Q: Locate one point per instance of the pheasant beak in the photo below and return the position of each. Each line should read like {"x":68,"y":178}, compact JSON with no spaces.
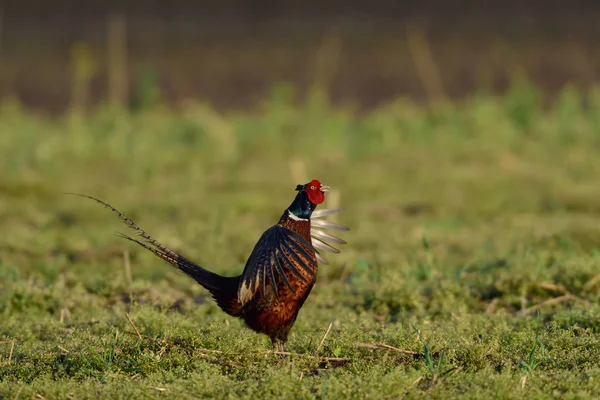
{"x":324,"y":188}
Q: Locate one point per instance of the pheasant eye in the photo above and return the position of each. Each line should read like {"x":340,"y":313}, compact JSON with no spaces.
{"x":312,"y":188}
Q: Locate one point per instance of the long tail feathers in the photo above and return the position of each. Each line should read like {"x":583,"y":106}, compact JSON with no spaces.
{"x":319,"y":237}
{"x":209,"y":280}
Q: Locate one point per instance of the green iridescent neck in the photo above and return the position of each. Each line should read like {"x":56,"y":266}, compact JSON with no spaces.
{"x":301,"y":207}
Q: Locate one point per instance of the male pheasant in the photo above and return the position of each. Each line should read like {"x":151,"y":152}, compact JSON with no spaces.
{"x":280,"y":272}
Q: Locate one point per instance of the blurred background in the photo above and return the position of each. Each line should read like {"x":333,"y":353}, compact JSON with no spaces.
{"x":232,"y":52}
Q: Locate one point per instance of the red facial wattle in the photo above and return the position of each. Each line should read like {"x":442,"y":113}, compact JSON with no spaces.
{"x":313,"y":190}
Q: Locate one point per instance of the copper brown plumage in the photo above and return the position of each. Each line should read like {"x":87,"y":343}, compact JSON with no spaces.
{"x":280,"y":272}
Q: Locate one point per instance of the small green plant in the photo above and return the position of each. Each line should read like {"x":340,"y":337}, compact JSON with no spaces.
{"x":537,"y":355}
{"x":104,"y":360}
{"x":433,"y":366}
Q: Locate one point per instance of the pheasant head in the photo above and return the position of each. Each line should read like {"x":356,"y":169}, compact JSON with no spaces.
{"x":309,"y":196}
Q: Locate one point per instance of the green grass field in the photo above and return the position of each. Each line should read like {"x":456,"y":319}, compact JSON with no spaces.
{"x":472,"y":267}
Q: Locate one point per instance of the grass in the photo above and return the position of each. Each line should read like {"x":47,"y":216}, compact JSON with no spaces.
{"x":471,"y":270}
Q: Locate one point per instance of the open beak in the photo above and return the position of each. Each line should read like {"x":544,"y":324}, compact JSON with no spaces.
{"x":324,"y":188}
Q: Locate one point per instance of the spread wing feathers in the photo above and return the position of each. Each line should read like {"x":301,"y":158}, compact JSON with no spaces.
{"x":319,"y":237}
{"x":279,"y":255}
{"x":161,"y":251}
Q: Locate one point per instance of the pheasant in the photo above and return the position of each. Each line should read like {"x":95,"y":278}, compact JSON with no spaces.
{"x":280,"y":272}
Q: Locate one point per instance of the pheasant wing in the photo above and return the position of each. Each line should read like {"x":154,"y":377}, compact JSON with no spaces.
{"x":320,"y":237}
{"x":280,"y":255}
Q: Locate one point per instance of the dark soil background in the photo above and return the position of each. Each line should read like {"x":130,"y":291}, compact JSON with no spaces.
{"x":232,"y":52}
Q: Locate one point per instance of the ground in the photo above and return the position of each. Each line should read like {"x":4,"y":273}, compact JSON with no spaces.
{"x":471,"y":269}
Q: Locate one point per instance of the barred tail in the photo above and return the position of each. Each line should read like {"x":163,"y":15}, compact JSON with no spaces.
{"x":223,"y":289}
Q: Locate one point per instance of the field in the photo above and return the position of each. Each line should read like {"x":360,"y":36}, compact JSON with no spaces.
{"x":472,"y":266}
